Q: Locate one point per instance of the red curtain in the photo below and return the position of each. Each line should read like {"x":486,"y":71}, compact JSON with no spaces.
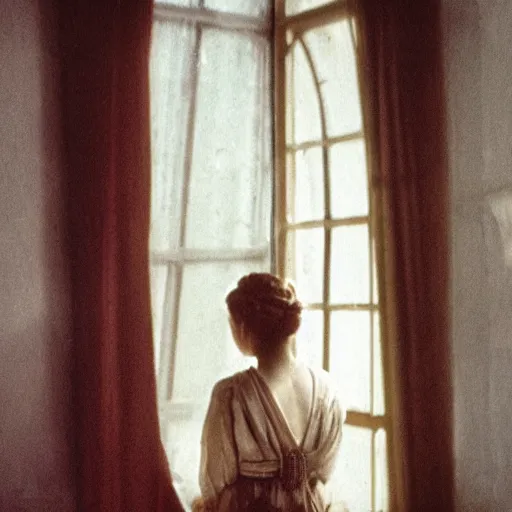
{"x":402,"y":72}
{"x":120,"y":461}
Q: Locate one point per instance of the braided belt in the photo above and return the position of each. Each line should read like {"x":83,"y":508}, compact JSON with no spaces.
{"x":294,"y":470}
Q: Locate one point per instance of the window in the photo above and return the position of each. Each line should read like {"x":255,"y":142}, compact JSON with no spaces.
{"x":324,"y":231}
{"x":211,"y":200}
{"x":240,"y":187}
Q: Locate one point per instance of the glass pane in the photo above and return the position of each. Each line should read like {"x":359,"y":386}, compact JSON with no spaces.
{"x":256,"y":8}
{"x":296,"y":6}
{"x":305,"y":263}
{"x":182,"y":442}
{"x":204,"y":344}
{"x":378,"y":404}
{"x":310,"y":338}
{"x":350,"y":358}
{"x":350,"y":265}
{"x":351,"y":481}
{"x":288,"y":91}
{"x":158,"y":276}
{"x":349,"y":181}
{"x":375,"y":277}
{"x":381,"y":472}
{"x":171,"y":56}
{"x":303,"y":99}
{"x":308,"y":200}
{"x":334,"y":57}
{"x":231,"y":162}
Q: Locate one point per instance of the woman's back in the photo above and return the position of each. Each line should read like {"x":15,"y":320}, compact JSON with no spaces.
{"x":292,"y":389}
{"x":251,"y":457}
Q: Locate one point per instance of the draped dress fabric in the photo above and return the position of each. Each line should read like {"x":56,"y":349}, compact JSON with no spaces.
{"x":250,"y":459}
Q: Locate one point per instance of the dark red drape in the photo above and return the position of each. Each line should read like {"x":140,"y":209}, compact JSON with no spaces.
{"x":402,"y":72}
{"x":121,"y":465}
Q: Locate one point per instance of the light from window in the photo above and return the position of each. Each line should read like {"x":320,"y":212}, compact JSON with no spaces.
{"x":298,"y":6}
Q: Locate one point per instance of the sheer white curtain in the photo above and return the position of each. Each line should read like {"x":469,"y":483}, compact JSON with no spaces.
{"x":211,"y":204}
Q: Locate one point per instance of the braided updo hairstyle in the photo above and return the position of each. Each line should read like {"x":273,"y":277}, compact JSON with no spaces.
{"x":267,"y":306}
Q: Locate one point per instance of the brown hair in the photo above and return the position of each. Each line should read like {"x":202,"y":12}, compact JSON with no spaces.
{"x":267,"y":306}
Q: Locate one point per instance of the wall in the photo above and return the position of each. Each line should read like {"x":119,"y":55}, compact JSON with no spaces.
{"x":478,"y":65}
{"x":35,"y":419}
{"x":497,"y":173}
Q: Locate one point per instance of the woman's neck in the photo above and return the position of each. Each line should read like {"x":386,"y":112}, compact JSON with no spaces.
{"x":278,"y":362}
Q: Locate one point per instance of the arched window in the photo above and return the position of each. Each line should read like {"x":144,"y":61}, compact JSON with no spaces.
{"x":324,"y":230}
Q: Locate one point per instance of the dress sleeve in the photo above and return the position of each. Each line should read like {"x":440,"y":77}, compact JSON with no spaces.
{"x":334,"y":417}
{"x":219,"y":461}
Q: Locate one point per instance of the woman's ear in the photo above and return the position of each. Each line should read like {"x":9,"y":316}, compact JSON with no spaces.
{"x":237,"y":329}
{"x":233,"y":327}
{"x":245,"y":340}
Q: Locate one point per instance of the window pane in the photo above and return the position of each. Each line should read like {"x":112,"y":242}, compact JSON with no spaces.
{"x":158,"y":276}
{"x":305,"y":263}
{"x":350,"y":265}
{"x":231,"y":160}
{"x":303,"y":99}
{"x":349,"y":181}
{"x":257,"y":8}
{"x":351,"y":481}
{"x":296,"y":6}
{"x":334,"y":57}
{"x":310,"y":338}
{"x":288,"y":91}
{"x":378,"y":404}
{"x":381,"y":472}
{"x":307,"y":202}
{"x":183,"y":445}
{"x":170,"y":102}
{"x":350,"y":359}
{"x":375,"y":277}
{"x":204,"y":345}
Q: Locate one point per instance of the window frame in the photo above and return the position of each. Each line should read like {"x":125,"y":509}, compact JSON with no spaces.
{"x":276,"y":34}
{"x":298,"y":24}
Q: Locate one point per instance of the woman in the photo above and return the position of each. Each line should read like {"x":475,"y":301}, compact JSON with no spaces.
{"x":271,"y":434}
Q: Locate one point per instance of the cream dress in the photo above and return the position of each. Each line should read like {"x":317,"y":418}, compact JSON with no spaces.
{"x":250,"y":460}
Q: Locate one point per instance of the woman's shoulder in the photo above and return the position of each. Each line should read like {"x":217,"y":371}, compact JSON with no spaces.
{"x":223,"y":386}
{"x":327,"y":388}
{"x":323,"y":378}
{"x":226,"y":385}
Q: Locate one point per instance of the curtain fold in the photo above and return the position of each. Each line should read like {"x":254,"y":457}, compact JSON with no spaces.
{"x":402,"y":76}
{"x":120,"y":461}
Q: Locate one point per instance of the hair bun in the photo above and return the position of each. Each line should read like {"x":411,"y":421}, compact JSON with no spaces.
{"x":267,"y":305}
